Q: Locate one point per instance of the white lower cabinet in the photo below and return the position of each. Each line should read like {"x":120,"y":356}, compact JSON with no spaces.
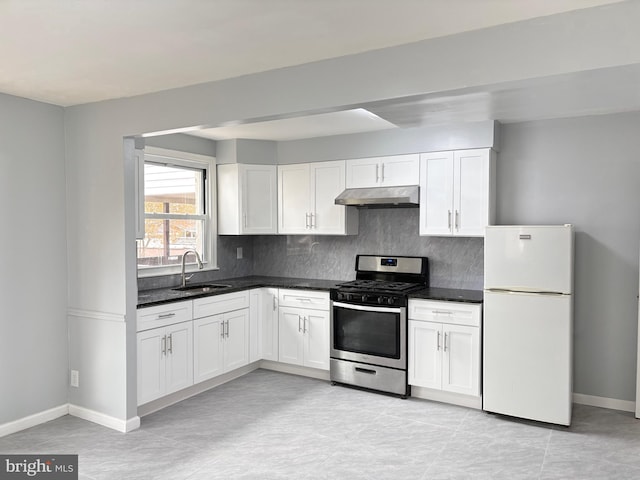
{"x":165,"y":361}
{"x":221,"y":344}
{"x":444,"y":346}
{"x":263,"y":329}
{"x":304,"y":337}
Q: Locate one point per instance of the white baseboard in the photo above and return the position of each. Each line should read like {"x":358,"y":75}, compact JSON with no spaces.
{"x":295,"y":369}
{"x":446,"y":397}
{"x":105,"y":420}
{"x":604,"y":402}
{"x":33,"y":420}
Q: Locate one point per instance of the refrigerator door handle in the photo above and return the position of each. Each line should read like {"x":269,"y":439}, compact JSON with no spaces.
{"x":516,"y":291}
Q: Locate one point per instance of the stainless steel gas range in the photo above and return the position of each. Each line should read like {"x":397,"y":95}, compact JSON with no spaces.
{"x":369,"y":322}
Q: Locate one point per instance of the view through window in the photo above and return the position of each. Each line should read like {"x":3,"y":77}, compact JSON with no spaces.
{"x":175,"y":214}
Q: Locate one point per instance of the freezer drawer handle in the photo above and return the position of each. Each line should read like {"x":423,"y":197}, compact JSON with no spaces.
{"x":525,"y":237}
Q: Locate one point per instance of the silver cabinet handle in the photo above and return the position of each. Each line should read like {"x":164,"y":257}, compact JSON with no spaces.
{"x":163,"y":345}
{"x":167,"y":315}
{"x":275,"y":302}
{"x":222,"y":329}
{"x":457,"y":220}
{"x":377,"y":176}
{"x":312,"y":223}
{"x":438,"y":341}
{"x":442,"y":312}
{"x":449,"y":219}
{"x":299,"y":327}
{"x":244,"y":219}
{"x":382,"y":174}
{"x":303,"y":299}
{"x":170,"y":348}
{"x":445,"y":341}
{"x":306,"y":220}
{"x":227,"y":329}
{"x":304,"y":325}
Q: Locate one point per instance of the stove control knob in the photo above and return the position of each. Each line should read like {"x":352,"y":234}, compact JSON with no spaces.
{"x":364,"y":298}
{"x":390,"y":301}
{"x":381,"y":300}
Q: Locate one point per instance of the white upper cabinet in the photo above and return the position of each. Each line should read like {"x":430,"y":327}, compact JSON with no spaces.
{"x":457,"y":192}
{"x":306,"y":200}
{"x":389,"y":171}
{"x":247,"y":199}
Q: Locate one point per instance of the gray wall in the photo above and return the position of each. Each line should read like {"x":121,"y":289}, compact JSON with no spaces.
{"x":33,"y":264}
{"x":182,"y":143}
{"x":390,"y":142}
{"x":585,"y":171}
{"x":453,"y":262}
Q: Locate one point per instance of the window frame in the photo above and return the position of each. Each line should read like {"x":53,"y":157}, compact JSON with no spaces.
{"x":176,"y":158}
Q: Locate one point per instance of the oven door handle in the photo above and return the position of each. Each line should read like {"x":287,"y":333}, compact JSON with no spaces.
{"x":362,"y":308}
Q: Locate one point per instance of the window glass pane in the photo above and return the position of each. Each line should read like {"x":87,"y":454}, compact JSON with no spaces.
{"x":170,"y":189}
{"x":166,"y":240}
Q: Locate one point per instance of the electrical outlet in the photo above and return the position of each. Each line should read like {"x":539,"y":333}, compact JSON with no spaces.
{"x":239,"y":253}
{"x":75,"y":378}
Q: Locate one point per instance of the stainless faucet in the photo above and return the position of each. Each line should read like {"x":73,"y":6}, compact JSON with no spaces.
{"x":200,"y":265}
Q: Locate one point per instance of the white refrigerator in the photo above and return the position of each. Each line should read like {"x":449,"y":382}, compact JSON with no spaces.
{"x":528,"y":322}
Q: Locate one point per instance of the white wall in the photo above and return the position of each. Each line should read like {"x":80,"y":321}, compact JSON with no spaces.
{"x":102,"y":281}
{"x":585,"y":171}
{"x":33,"y":264}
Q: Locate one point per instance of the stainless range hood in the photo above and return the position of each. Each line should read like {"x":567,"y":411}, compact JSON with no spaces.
{"x":380,"y":197}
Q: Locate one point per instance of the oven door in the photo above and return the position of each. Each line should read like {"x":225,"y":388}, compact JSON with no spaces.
{"x":367,"y":334}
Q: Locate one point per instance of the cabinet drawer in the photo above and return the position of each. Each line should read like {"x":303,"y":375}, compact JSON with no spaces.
{"x":203,"y":307}
{"x":163,"y":315}
{"x":456,"y":313}
{"x":304,"y":299}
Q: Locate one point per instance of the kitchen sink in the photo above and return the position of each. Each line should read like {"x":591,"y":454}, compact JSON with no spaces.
{"x":203,"y":287}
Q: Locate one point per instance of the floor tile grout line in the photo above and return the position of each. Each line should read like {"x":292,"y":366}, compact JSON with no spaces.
{"x":546,"y":450}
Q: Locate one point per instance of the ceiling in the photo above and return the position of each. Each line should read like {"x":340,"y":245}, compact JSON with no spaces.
{"x":71,"y":52}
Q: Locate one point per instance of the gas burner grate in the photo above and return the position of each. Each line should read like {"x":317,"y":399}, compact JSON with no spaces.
{"x":379,"y":285}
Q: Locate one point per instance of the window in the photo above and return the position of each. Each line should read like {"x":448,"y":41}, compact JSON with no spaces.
{"x":177,"y":212}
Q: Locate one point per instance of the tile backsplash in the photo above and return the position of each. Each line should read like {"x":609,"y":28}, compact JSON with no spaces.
{"x":453,"y":262}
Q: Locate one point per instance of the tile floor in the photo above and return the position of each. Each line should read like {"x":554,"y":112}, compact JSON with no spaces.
{"x":269,"y":425}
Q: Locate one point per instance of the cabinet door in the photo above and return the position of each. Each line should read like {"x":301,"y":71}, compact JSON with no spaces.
{"x":259,"y":199}
{"x":208,"y":347}
{"x":236,"y":344}
{"x":327,"y":182}
{"x":362,"y":173}
{"x":290,"y":345}
{"x":425,"y":354}
{"x":269,"y":319}
{"x":316,"y":339}
{"x":436,"y":193}
{"x":400,"y":170}
{"x":461,"y":359}
{"x":179,"y":373}
{"x":293,"y":199}
{"x":255,"y":325}
{"x":471,"y":192}
{"x":151,"y":364}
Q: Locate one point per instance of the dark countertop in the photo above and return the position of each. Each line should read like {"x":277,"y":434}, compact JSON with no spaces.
{"x":449,"y":295}
{"x":149,"y":298}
